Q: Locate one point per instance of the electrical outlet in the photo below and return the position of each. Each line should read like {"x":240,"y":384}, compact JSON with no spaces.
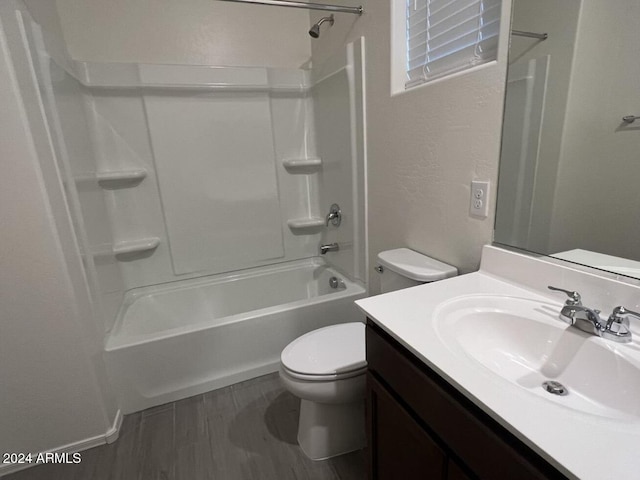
{"x":479,"y":199}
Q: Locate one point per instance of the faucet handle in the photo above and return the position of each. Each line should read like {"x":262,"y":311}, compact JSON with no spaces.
{"x":620,"y":318}
{"x":621,"y":315}
{"x":574,"y":297}
{"x":334,"y":216}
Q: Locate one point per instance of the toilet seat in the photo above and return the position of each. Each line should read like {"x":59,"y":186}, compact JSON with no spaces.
{"x":330,"y":353}
{"x":325,"y":378}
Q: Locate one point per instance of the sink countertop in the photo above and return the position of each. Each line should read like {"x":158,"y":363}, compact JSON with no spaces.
{"x":580,"y":445}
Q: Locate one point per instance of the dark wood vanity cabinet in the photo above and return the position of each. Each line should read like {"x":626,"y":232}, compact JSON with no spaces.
{"x":420,"y":427}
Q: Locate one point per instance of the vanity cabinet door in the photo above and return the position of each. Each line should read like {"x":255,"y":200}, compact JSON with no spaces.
{"x":399,"y":446}
{"x":454,"y":472}
{"x":459,"y":427}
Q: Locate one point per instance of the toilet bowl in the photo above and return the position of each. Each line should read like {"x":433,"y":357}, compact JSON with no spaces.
{"x":326,"y":368}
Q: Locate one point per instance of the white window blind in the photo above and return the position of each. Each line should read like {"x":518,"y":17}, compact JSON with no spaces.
{"x":445,"y":36}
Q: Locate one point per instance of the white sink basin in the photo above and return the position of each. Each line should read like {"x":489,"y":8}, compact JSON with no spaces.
{"x":523,"y":342}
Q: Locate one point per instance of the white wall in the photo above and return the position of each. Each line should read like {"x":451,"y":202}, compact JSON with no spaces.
{"x":199,"y":32}
{"x":600,"y":165}
{"x":424,"y":146}
{"x":53,"y":382}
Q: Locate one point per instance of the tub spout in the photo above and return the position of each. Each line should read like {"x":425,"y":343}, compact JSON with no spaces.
{"x":330,"y":247}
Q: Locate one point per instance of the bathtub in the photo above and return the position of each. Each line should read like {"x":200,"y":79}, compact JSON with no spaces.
{"x":177,"y":340}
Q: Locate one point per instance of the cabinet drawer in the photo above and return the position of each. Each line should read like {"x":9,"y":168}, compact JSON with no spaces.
{"x":489,"y":450}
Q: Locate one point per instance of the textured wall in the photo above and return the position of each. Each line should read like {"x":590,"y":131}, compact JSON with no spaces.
{"x":199,"y":32}
{"x":424,"y":146}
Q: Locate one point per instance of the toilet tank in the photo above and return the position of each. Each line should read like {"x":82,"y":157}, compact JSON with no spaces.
{"x":404,"y":268}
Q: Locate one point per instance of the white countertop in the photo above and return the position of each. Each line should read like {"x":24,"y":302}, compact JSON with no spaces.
{"x":580,"y":445}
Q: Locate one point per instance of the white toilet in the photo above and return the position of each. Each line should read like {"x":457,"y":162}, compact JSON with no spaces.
{"x":326,"y":367}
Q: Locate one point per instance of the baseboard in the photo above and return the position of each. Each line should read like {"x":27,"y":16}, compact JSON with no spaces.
{"x":114,"y":432}
{"x":109,"y":436}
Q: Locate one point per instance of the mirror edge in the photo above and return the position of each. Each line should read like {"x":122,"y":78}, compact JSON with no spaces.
{"x":567,"y":263}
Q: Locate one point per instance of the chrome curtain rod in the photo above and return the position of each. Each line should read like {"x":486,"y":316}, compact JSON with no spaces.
{"x":310,"y":6}
{"x":539,"y":36}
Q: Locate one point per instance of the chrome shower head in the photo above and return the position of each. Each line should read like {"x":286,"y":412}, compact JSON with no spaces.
{"x":315,"y":30}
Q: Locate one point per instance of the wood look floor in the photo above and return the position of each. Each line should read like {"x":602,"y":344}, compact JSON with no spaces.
{"x":245,"y":431}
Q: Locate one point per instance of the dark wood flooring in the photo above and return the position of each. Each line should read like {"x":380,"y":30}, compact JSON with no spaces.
{"x":245,"y":431}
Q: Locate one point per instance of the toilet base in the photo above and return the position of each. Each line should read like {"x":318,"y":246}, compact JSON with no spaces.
{"x":327,"y":430}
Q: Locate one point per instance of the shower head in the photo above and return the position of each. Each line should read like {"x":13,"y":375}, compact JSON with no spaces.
{"x":315,"y":30}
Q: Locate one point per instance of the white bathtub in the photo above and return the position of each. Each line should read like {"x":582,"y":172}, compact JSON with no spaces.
{"x":177,"y":340}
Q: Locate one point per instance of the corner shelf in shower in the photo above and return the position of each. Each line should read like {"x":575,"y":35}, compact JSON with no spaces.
{"x":300,"y":165}
{"x":136,"y":246}
{"x":308,"y":223}
{"x":121,"y":178}
{"x":114,"y":179}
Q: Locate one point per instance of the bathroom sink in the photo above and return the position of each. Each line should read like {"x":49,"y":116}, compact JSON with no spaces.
{"x":495,"y":336}
{"x":523,"y":342}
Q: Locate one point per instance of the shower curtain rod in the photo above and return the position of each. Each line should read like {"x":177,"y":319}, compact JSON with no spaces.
{"x":310,"y":6}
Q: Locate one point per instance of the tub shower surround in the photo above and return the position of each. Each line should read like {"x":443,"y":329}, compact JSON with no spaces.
{"x":198,"y":196}
{"x":201,"y":170}
{"x":214,"y":144}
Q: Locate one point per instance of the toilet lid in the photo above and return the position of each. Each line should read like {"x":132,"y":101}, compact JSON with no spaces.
{"x":415,"y":266}
{"x":327,"y":351}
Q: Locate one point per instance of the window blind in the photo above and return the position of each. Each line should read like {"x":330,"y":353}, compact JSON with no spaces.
{"x":445,"y":36}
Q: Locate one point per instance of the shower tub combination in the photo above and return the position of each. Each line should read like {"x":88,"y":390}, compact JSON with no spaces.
{"x":181,"y":339}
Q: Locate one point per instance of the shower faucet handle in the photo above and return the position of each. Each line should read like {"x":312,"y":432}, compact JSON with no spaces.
{"x":335,"y":215}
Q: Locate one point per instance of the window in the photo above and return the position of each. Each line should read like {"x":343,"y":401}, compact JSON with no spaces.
{"x":446,"y":36}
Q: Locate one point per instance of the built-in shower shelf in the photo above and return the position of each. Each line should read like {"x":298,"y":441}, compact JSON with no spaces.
{"x":296,"y":164}
{"x":136,"y":246}
{"x":121,"y":177}
{"x":306,"y":223}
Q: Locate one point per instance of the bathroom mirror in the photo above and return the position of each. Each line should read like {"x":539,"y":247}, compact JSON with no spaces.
{"x":569,"y":180}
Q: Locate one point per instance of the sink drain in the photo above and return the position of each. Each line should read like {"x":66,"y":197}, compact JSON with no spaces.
{"x":556,"y":388}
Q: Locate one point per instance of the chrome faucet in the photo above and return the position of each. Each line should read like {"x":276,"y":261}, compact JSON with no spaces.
{"x":616,"y":328}
{"x":329,"y":247}
{"x":583,"y":318}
